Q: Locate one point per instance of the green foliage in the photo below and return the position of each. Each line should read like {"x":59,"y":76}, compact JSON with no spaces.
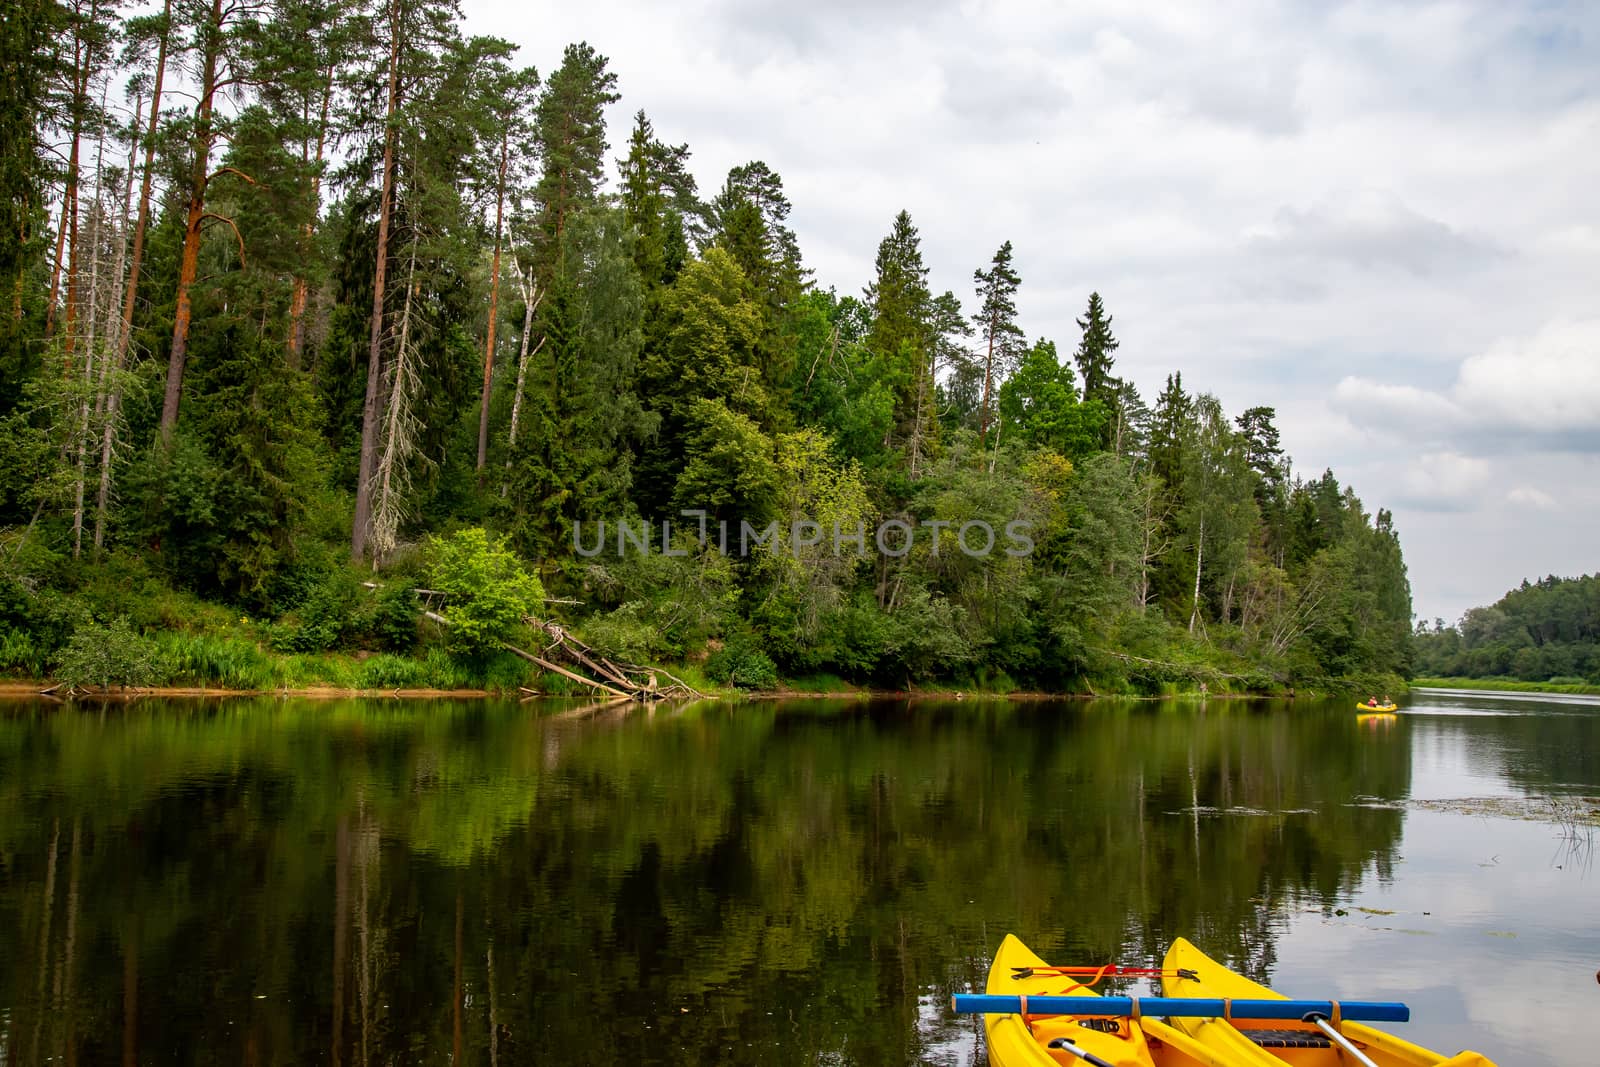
{"x":486,"y":588}
{"x":227,"y":661}
{"x":742,"y":665}
{"x":729,"y":472}
{"x":1041,"y":404}
{"x":670,"y":354}
{"x":662,"y":605}
{"x":1538,"y":632}
{"x":340,"y":611}
{"x":1096,"y":354}
{"x":112,"y":654}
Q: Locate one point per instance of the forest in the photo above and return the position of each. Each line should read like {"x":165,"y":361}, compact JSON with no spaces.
{"x":315,"y":303}
{"x":1544,"y":631}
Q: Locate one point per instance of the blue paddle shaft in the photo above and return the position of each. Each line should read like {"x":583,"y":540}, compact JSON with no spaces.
{"x":1367,"y":1011}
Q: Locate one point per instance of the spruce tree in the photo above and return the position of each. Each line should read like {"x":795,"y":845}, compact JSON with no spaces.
{"x":996,"y":322}
{"x":1168,"y":430}
{"x":901,"y":336}
{"x":1096,"y":353}
{"x":27,"y":59}
{"x":750,"y":214}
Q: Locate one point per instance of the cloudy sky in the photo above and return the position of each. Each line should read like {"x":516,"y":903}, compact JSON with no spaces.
{"x":1381,"y":219}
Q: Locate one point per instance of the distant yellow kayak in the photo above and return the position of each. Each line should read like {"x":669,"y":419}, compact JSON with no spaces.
{"x":1377,"y":708}
{"x":1245,"y":1041}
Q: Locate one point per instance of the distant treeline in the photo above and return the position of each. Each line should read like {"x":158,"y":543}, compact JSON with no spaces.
{"x":1542,"y":631}
{"x":292,"y":288}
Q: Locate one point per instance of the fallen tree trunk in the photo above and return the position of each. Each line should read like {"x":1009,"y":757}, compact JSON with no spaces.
{"x":618,"y":681}
{"x":547,"y":665}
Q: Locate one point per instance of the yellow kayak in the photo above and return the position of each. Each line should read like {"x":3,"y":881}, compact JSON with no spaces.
{"x":1371,"y":708}
{"x":1017,"y":1042}
{"x":1245,"y":1041}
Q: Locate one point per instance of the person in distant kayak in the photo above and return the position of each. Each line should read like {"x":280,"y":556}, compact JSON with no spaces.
{"x":1372,"y":702}
{"x":1386,"y":700}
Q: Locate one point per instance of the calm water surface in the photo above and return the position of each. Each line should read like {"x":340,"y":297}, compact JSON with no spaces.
{"x":259,"y":881}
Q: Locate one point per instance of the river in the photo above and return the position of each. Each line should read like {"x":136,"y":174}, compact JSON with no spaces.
{"x":262,"y":881}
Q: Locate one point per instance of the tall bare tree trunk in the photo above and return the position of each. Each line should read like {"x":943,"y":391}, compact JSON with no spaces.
{"x":926,"y":370}
{"x":494,"y":306}
{"x":988,"y":379}
{"x":68,"y":208}
{"x":92,"y":320}
{"x":1199,"y":559}
{"x":341,"y":908}
{"x":83,"y":56}
{"x":130,"y":995}
{"x":390,"y":477}
{"x":302,"y":287}
{"x":66,"y":976}
{"x":531,"y":296}
{"x":43,"y":965}
{"x":199,"y":178}
{"x":455,"y":989}
{"x":360,"y":527}
{"x":130,"y":297}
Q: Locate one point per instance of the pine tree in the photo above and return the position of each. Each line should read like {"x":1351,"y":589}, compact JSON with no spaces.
{"x":996,"y":322}
{"x":412,"y":36}
{"x":571,"y":138}
{"x":218,"y":41}
{"x":303,"y":45}
{"x":1261,"y":442}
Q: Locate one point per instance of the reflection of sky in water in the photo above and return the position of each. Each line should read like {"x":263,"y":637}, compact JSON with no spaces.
{"x":1449,"y":761}
{"x":1485,"y":703}
{"x":1494,"y":938}
{"x":1492,"y":945}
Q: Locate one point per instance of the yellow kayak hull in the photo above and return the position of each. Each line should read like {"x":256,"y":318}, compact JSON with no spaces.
{"x":1012,"y":1042}
{"x":1373,"y":709}
{"x":1226,"y":1039}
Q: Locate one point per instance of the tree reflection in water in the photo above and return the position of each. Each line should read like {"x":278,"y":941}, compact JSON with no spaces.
{"x":375,"y":882}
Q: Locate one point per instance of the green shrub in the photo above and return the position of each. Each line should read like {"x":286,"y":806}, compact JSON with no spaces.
{"x":109,"y":655}
{"x":624,"y":635}
{"x":339,"y":611}
{"x":21,"y":655}
{"x":487,"y":590}
{"x":743,"y":666}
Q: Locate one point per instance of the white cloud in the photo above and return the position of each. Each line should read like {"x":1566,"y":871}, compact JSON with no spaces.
{"x":1444,"y":481}
{"x":1372,"y":229}
{"x":1527,"y":496}
{"x":1541,"y":391}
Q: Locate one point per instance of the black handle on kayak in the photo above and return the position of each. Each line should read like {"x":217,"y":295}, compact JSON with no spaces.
{"x":1066,"y":1043}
